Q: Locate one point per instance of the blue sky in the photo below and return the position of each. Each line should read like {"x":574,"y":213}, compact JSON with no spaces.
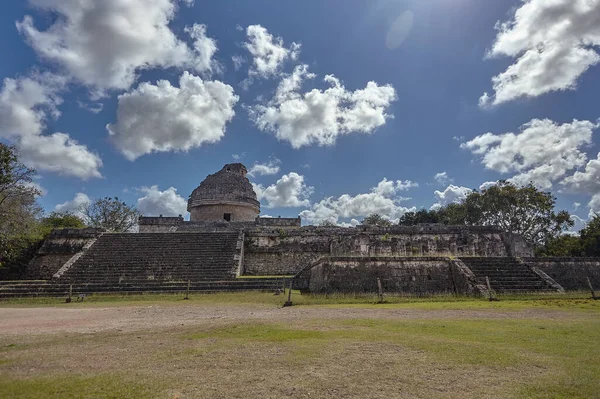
{"x":325,"y":147}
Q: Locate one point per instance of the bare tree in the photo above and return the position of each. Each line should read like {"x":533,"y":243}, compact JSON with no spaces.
{"x":111,"y":214}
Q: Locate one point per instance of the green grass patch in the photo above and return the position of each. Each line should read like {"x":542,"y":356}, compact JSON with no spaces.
{"x":549,"y":350}
{"x":564,"y":354}
{"x":75,"y":386}
{"x":11,"y":347}
{"x":570,"y":300}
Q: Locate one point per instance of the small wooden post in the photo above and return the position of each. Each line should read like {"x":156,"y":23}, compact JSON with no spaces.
{"x":594,"y":297}
{"x":380,"y":290}
{"x":289,"y":300}
{"x":489,"y":287}
{"x":187,"y":293}
{"x":70,"y":293}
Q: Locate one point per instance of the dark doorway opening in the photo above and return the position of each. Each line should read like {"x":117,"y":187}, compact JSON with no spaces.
{"x":227,"y":216}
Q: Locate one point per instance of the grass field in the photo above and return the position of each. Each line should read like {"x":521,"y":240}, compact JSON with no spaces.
{"x":244,"y":346}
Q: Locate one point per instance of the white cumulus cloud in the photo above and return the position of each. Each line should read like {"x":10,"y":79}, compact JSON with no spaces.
{"x":268,"y":52}
{"x":389,"y":187}
{"x":104,"y":44}
{"x":162,"y":117}
{"x":269,"y":168}
{"x":60,"y":154}
{"x":289,"y":191}
{"x":26,"y":104}
{"x":451,"y":195}
{"x":74,"y":206}
{"x":587,"y":180}
{"x":594,"y":206}
{"x":205,"y":49}
{"x":381,"y":199}
{"x":553,"y":43}
{"x":541,"y":153}
{"x":487,"y":184}
{"x":166,"y":203}
{"x":320,"y":116}
{"x":352,"y":223}
{"x":442,"y":178}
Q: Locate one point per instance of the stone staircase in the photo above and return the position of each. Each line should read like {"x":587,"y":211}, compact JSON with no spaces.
{"x":50,"y":288}
{"x":135,"y":258}
{"x":507,"y":275}
{"x":151,"y":263}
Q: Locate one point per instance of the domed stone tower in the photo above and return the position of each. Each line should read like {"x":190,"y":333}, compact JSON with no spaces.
{"x":225,"y":195}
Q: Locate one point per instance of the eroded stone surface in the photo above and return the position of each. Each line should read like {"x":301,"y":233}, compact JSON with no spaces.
{"x":225,"y":195}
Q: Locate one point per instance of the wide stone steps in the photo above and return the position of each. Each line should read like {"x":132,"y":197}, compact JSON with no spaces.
{"x":116,"y":259}
{"x":506,"y":275}
{"x":49,"y":288}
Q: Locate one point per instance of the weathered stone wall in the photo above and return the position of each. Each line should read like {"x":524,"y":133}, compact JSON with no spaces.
{"x":570,"y":273}
{"x":172,"y":224}
{"x":279,"y":222}
{"x":214,"y":226}
{"x":286,"y":251}
{"x":57,"y":249}
{"x":516,"y":245}
{"x":281,"y":252}
{"x":410,"y":275}
{"x":215,"y":212}
{"x":419,"y":244}
{"x":159,"y":224}
{"x":267,"y":263}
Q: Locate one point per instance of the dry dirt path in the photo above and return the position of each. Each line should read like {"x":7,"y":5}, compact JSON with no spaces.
{"x":51,"y":320}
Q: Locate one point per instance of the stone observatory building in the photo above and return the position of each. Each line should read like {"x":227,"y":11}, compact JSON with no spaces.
{"x":226,"y":195}
{"x":226,"y":241}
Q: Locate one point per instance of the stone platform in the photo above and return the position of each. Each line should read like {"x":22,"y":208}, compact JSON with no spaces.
{"x":420,"y":260}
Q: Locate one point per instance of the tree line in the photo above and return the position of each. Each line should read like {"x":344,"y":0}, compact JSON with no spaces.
{"x":520,"y":210}
{"x":24,"y":225}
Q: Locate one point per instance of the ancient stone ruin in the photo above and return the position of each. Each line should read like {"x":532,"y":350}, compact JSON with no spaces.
{"x":226,"y":195}
{"x":226,"y":240}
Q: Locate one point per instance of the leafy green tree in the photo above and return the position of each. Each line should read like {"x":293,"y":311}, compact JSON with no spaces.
{"x":376,"y":219}
{"x":61,"y":220}
{"x":418,"y":217}
{"x":521,"y":210}
{"x":18,"y":205}
{"x":564,"y":245}
{"x":590,"y":237}
{"x":453,"y":214}
{"x":19,"y":210}
{"x":111,"y":214}
{"x":449,"y":215}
